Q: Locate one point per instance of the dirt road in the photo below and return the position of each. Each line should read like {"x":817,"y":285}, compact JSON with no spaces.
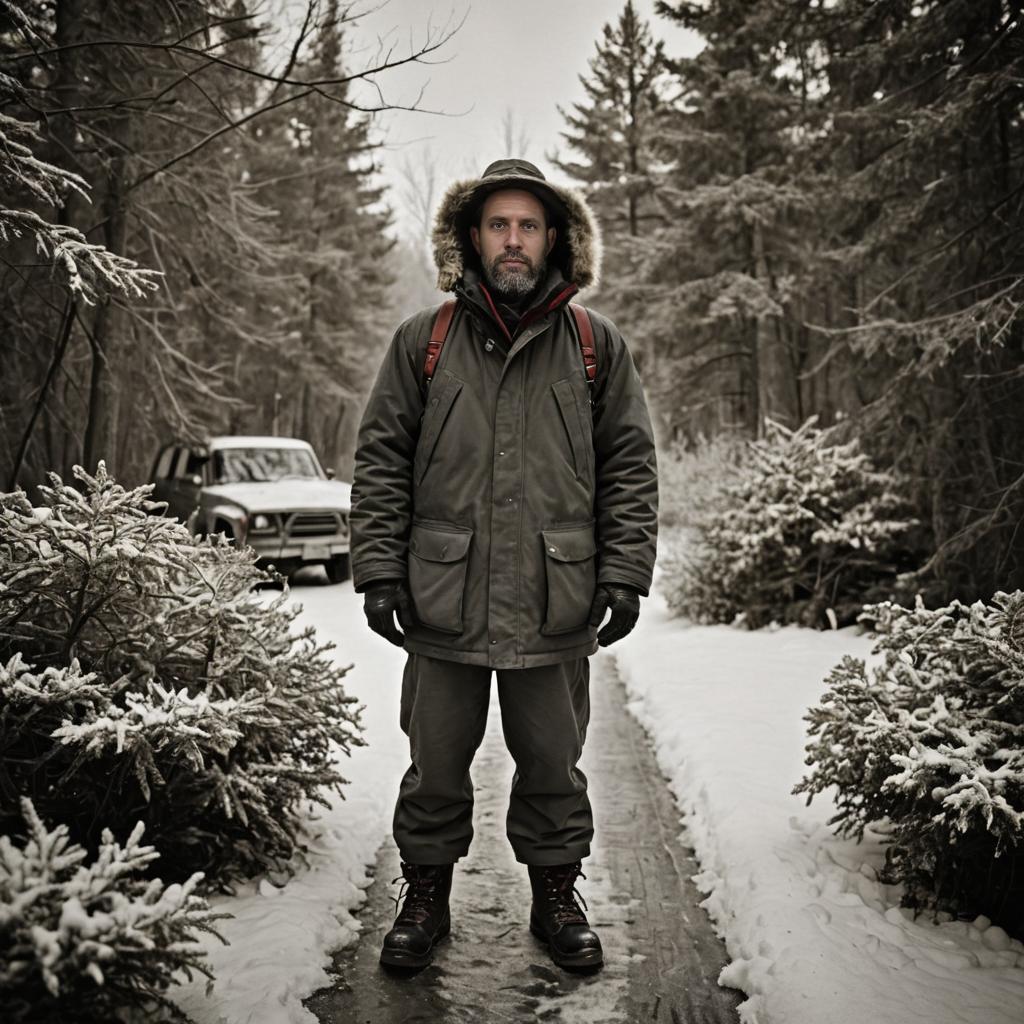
{"x":661,"y":956}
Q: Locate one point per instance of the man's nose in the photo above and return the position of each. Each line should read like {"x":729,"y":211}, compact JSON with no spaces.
{"x":513,"y":241}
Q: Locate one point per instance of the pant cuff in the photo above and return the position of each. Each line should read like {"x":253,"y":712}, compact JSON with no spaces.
{"x":549,"y":858}
{"x":430,"y":855}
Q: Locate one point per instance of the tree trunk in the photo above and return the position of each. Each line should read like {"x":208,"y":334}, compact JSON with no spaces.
{"x":103,"y":339}
{"x":58,"y":355}
{"x":775,"y":380}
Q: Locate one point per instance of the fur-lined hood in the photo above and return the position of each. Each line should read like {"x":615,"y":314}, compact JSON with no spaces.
{"x":577,"y":251}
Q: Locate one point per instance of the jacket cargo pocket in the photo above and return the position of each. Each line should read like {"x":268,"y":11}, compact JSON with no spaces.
{"x":438,"y":557}
{"x":570,"y":559}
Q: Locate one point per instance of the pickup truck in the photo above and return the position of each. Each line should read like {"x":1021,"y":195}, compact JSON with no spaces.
{"x":270,"y":493}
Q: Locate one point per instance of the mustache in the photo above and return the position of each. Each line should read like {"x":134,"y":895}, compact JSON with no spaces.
{"x":510,"y":255}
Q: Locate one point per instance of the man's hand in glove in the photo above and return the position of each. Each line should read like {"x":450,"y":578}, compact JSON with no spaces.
{"x":382,"y":601}
{"x":625,"y":605}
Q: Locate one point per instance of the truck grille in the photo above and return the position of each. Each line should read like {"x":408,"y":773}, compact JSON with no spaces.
{"x":314,"y":524}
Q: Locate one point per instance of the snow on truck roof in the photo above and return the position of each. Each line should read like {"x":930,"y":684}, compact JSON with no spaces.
{"x":253,"y":441}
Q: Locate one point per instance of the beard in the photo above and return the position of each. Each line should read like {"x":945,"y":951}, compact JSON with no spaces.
{"x":514,"y":284}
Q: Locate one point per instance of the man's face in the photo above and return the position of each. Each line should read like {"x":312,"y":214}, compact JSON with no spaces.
{"x":513,"y":241}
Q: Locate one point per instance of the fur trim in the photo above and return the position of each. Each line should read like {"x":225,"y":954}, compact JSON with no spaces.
{"x":577,"y":249}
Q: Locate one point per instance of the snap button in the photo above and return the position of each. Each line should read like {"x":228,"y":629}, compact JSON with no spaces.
{"x":494,"y":642}
{"x":552,"y":550}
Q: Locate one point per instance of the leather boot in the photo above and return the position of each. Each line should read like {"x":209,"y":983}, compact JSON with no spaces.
{"x":423,"y":919}
{"x":557,"y":918}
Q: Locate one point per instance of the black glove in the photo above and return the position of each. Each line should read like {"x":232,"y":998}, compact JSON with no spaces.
{"x":625,"y":605}
{"x":384,"y":599}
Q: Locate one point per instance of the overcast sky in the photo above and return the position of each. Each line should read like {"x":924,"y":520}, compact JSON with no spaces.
{"x":517,"y":55}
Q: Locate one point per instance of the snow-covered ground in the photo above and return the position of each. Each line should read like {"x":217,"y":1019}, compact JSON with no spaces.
{"x":813,"y":937}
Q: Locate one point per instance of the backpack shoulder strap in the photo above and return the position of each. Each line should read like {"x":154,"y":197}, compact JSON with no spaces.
{"x":585,"y":336}
{"x":438,"y":334}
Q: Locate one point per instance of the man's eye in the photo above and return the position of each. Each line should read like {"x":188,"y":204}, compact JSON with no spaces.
{"x":497,"y":225}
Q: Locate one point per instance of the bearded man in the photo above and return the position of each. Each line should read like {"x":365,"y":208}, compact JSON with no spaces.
{"x":505,"y":499}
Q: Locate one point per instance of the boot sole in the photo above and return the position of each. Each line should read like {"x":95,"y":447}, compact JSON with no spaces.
{"x":587,"y":958}
{"x":408,"y":960}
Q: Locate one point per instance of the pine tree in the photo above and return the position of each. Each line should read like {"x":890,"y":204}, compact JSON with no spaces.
{"x":614,"y":130}
{"x":157,"y":110}
{"x":719,"y":268}
{"x":313,"y":166}
{"x":840,"y":216}
{"x":926,"y":142}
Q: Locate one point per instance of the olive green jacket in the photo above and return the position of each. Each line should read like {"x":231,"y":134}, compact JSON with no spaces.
{"x":510,"y":487}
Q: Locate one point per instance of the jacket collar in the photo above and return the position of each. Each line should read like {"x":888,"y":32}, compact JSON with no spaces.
{"x":554,"y":293}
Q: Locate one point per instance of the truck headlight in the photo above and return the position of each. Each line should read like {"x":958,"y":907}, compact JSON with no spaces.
{"x":261,"y":522}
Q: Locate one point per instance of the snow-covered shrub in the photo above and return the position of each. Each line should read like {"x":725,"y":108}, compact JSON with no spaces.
{"x":82,"y":941}
{"x":932,"y":740}
{"x":800,"y":531}
{"x":142,"y":677}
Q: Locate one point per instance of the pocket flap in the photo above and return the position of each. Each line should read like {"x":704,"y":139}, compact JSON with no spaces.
{"x":570,"y":545}
{"x":439,"y":545}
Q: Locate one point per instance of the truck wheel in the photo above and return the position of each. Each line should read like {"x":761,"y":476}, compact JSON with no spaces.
{"x":338,"y":569}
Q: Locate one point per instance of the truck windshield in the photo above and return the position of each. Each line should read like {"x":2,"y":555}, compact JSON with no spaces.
{"x":261,"y":465}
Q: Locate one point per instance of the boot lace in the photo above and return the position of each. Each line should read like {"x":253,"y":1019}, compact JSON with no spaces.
{"x":565,"y":899}
{"x":418,"y":889}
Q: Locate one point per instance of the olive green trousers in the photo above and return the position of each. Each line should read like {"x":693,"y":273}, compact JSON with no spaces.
{"x":544,"y":716}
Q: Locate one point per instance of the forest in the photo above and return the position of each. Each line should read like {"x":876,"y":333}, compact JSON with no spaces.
{"x":819,"y":215}
{"x":195,"y":241}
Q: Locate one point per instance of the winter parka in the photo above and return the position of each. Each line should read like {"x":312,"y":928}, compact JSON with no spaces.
{"x":508,"y":488}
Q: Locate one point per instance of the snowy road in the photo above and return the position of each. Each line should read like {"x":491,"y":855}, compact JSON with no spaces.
{"x":662,"y":957}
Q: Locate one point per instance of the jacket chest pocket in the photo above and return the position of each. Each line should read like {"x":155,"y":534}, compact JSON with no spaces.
{"x":438,"y":558}
{"x":438,"y":407}
{"x":579,"y":433}
{"x":570,"y":557}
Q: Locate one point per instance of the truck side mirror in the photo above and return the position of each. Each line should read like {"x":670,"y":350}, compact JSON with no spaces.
{"x":330,"y":473}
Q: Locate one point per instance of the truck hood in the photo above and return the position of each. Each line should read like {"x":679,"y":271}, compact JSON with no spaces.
{"x":285,"y":495}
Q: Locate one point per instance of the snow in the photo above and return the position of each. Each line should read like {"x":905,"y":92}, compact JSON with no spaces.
{"x":812,"y":935}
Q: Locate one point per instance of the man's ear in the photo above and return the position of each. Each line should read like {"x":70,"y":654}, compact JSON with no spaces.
{"x":474,"y":237}
{"x":551,"y":240}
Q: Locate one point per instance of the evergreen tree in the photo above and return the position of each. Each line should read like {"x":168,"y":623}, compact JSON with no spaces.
{"x":614,"y":130}
{"x":720,"y":268}
{"x":842,"y":211}
{"x":926,"y":143}
{"x":315,"y":166}
{"x":150,"y":119}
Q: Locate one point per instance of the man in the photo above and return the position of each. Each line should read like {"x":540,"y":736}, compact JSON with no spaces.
{"x":502,"y":504}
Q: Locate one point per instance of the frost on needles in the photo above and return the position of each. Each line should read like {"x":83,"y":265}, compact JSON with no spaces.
{"x":142,"y":677}
{"x":930,"y":740}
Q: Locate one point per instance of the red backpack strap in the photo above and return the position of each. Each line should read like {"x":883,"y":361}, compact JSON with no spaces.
{"x":442,"y":322}
{"x":585,"y":331}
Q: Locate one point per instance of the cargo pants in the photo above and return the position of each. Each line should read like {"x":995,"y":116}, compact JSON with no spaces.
{"x":544,"y":715}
